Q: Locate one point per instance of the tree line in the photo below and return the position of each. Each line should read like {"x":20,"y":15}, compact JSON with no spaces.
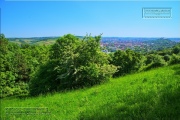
{"x":70,"y":63}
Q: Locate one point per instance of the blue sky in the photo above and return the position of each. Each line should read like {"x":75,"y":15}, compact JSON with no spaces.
{"x":121,"y":19}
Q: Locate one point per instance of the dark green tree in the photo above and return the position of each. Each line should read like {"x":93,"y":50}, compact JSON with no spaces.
{"x":127,"y":61}
{"x":154,"y":61}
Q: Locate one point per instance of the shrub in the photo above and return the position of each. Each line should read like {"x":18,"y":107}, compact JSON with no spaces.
{"x":167,"y":58}
{"x":155,"y":61}
{"x":175,"y":59}
{"x":74,"y":63}
{"x":127,"y":61}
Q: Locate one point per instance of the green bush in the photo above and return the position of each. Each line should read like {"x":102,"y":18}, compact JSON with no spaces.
{"x":176,"y":49}
{"x":175,"y":59}
{"x":167,"y":58}
{"x":17,"y":63}
{"x":155,"y":61}
{"x":127,"y":61}
{"x":74,"y":63}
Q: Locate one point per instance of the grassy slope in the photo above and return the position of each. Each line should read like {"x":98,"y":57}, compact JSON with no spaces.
{"x":148,"y":95}
{"x":35,"y":41}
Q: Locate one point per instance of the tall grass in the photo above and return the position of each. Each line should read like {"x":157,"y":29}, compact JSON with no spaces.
{"x":151,"y":95}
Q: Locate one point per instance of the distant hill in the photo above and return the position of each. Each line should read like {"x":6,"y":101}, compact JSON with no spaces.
{"x":160,"y":44}
{"x":144,"y":45}
{"x":111,"y":43}
{"x":34,"y":40}
{"x":175,"y":39}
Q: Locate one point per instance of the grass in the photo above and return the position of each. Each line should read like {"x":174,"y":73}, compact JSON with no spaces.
{"x":47,"y":42}
{"x":33,"y":41}
{"x":151,"y":95}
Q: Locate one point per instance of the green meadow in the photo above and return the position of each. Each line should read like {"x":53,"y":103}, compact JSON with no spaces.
{"x":150,"y":95}
{"x":33,"y":41}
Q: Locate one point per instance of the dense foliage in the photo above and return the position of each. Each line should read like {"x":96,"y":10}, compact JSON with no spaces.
{"x":127,"y":61}
{"x":70,"y":63}
{"x":73,"y":63}
{"x":17,"y":64}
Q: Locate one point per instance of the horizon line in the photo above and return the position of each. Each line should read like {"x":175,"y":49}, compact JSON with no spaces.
{"x":94,"y":36}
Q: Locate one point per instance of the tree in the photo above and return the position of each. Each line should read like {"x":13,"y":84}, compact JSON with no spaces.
{"x":127,"y":61}
{"x":175,"y":59}
{"x":17,"y":66}
{"x":176,"y":49}
{"x":74,"y":63}
{"x":154,"y":61}
{"x":11,"y":71}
